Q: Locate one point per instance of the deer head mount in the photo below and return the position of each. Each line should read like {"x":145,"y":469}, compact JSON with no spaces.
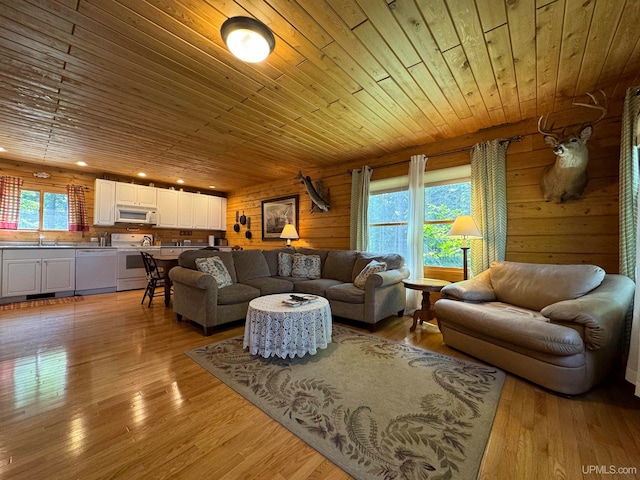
{"x":566,"y":178}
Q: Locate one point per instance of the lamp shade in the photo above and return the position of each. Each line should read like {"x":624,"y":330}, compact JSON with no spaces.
{"x":247,"y":38}
{"x":464,"y":227}
{"x":289,"y":232}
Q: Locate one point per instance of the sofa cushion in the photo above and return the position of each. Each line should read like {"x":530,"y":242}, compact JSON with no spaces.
{"x":305,"y":266}
{"x":215,"y":267}
{"x":237,"y":293}
{"x":345,"y":292}
{"x":314,"y":251}
{"x":315,"y":287}
{"x":270,"y":285}
{"x":393,"y":261}
{"x":250,"y":264}
{"x":535,"y":286}
{"x":372,"y":267}
{"x":187,"y":259}
{"x":271,"y":256}
{"x":339,"y":265}
{"x":285,"y":263}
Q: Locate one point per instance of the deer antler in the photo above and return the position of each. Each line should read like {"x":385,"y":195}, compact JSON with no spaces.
{"x":542,"y":129}
{"x":595,"y":105}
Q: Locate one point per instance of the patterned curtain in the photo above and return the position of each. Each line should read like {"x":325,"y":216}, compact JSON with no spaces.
{"x":489,"y":203}
{"x":10,"y":188}
{"x":360,"y":180}
{"x":629,"y":178}
{"x":77,"y":209}
{"x":415,"y":228}
{"x":629,"y":225}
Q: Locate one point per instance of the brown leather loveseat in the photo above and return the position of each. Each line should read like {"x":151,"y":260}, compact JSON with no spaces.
{"x":559,"y":326}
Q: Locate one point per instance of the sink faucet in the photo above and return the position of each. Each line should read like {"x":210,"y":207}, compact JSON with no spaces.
{"x":41,"y":239}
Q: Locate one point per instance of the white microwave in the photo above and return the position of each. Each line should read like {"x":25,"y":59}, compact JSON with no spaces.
{"x":141,"y":215}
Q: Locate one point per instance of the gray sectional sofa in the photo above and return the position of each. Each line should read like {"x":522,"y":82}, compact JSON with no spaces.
{"x":255,"y":273}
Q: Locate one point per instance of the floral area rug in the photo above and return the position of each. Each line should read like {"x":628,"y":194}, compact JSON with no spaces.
{"x":376,"y":408}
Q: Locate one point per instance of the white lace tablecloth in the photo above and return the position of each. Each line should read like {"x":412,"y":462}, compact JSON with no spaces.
{"x":273,"y":328}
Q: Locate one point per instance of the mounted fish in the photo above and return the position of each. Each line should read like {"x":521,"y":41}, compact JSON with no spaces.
{"x":318,"y":203}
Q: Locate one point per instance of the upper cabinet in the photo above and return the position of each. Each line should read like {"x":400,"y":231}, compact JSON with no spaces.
{"x":201,"y":211}
{"x":132,"y":194}
{"x":167,"y":211}
{"x":104,"y":202}
{"x":174,"y":209}
{"x":186,"y":202}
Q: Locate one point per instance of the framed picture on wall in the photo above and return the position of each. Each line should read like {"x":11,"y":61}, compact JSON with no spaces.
{"x":276,"y":213}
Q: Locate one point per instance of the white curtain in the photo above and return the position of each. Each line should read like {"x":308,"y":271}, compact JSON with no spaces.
{"x":415,"y":228}
{"x":630,"y":225}
{"x":489,"y":203}
{"x":359,"y":234}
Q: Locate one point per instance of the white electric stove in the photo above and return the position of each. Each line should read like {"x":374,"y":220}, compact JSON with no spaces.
{"x":131,"y":272}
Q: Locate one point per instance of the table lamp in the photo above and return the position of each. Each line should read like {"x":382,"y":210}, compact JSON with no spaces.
{"x":464,"y":227}
{"x":289,"y":232}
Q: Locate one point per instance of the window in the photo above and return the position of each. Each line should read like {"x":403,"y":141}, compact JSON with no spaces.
{"x":447,"y":195}
{"x":40,"y":210}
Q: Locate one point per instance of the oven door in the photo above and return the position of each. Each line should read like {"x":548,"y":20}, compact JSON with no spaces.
{"x":131,"y":272}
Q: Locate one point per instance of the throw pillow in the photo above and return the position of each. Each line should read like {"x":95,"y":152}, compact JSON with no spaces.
{"x":305,"y":266}
{"x":215,"y":267}
{"x":372,"y":267}
{"x":284,"y":264}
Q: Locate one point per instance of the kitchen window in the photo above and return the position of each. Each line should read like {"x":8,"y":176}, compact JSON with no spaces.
{"x":43,"y":210}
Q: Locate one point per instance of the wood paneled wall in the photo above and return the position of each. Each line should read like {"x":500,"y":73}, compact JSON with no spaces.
{"x":60,"y":177}
{"x":582,"y":231}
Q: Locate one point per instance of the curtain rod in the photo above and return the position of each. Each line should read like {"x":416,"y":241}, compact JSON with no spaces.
{"x":517,"y":138}
{"x":50,"y":184}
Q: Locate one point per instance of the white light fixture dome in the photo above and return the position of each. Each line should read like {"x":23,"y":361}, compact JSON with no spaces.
{"x":247,"y":38}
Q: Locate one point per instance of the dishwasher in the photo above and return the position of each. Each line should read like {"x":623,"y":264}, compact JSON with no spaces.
{"x":96,"y":270}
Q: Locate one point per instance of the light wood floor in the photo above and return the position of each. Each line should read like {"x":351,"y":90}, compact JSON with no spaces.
{"x":102,"y":389}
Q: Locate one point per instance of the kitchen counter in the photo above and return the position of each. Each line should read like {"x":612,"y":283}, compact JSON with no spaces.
{"x":32,"y":246}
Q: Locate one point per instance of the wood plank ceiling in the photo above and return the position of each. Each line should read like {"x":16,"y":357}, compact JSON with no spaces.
{"x":148,"y":85}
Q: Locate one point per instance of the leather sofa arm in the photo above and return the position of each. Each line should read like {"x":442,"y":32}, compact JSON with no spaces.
{"x":193,"y":278}
{"x":388,"y":277}
{"x":477,"y":289}
{"x":601,"y":312}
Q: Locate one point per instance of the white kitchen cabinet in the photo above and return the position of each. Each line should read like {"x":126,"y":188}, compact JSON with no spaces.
{"x":223,"y":214}
{"x":186,"y":202}
{"x":21,"y":276}
{"x":33,"y":271}
{"x":167,"y":209}
{"x":58,"y":274}
{"x":138,"y":195}
{"x":201,"y":207}
{"x":104,"y":202}
{"x":215,"y":213}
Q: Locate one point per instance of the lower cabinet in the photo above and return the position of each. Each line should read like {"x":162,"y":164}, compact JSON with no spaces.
{"x":34,"y":271}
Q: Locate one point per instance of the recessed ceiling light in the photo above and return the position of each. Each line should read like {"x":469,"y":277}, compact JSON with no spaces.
{"x":180,"y":180}
{"x":81,"y":164}
{"x":212,"y":186}
{"x":142,"y":174}
{"x":2,"y":149}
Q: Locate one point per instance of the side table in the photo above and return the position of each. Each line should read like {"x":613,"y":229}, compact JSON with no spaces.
{"x":426,"y":286}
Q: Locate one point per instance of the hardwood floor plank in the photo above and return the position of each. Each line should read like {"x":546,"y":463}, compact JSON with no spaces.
{"x":102,"y":389}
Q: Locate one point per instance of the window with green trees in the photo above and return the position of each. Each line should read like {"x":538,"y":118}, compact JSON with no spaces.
{"x":388,"y":217}
{"x":43,"y":211}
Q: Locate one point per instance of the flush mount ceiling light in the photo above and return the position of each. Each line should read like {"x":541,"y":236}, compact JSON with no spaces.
{"x":247,"y":38}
